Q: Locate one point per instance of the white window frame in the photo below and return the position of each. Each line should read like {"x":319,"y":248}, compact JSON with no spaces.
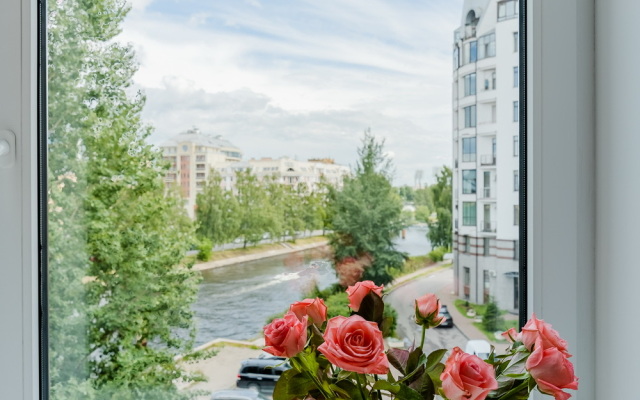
{"x":566,"y":254}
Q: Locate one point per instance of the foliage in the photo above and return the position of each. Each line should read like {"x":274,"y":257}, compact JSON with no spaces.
{"x":438,"y":253}
{"x":441,"y":230}
{"x":204,"y":249}
{"x":216,"y":212}
{"x":119,"y":296}
{"x":406,"y":193}
{"x":367,"y":215}
{"x":491,"y":320}
{"x":422,"y":214}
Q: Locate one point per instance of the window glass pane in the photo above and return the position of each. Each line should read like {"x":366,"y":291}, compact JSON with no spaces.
{"x":182,"y":136}
{"x":488,"y":216}
{"x":469,"y":181}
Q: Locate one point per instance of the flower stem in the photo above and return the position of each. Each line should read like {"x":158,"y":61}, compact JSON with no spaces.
{"x":424,"y":331}
{"x":360,"y":385}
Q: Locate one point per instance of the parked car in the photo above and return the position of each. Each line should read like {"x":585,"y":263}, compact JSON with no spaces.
{"x":261,"y":374}
{"x":448,"y":322}
{"x":480,"y":348}
{"x":237,"y":394}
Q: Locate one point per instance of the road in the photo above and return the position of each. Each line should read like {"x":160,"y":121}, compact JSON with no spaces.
{"x":402,"y":299}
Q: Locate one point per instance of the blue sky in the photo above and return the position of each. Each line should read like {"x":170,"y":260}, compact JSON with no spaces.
{"x":301,"y":78}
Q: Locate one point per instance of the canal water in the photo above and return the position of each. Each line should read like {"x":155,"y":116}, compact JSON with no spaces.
{"x":234,"y":302}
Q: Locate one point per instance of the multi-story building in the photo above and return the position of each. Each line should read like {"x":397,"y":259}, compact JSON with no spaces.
{"x":192,"y":155}
{"x":287,"y":171}
{"x":485,"y":153}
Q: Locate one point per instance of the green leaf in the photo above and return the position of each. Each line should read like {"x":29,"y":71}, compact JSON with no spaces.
{"x":434,"y":358}
{"x":351,"y":389}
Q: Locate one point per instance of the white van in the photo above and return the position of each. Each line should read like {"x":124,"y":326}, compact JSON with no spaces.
{"x":480,"y":348}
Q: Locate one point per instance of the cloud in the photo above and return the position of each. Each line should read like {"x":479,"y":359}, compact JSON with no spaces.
{"x":302,"y":78}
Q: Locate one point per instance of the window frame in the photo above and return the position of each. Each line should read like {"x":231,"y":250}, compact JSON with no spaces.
{"x":556,"y":45}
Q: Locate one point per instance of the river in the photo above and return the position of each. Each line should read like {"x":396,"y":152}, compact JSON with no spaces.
{"x":235,"y":301}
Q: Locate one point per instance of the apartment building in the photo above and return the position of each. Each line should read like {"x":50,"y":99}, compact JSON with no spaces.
{"x":192,"y":155}
{"x":485,"y":153}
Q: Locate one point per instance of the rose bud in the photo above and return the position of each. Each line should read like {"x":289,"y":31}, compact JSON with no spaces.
{"x":538,"y":329}
{"x":359,"y":291}
{"x":427,"y":310}
{"x":285,"y":336}
{"x":467,"y":377}
{"x":315,"y":309}
{"x":511,"y":335}
{"x":552,"y":371}
{"x":355,"y":344}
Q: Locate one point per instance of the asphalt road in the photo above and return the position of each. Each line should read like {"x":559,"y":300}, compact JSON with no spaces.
{"x":402,"y":299}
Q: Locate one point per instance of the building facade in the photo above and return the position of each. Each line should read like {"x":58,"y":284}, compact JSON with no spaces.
{"x":485,"y":153}
{"x":194,"y":156}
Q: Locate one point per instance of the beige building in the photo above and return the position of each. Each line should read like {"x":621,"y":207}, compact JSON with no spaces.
{"x":192,"y":155}
{"x":287,"y":171}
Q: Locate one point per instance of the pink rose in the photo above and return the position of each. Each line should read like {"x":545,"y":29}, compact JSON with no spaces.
{"x":427,"y":309}
{"x":285,"y":336}
{"x":537,"y":328}
{"x":355,"y":344}
{"x":511,"y":335}
{"x":467,"y":377}
{"x":359,"y":291}
{"x":315,"y":309}
{"x":551,"y":371}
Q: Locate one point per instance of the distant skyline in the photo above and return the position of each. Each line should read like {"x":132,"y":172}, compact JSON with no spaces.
{"x":303,"y":78}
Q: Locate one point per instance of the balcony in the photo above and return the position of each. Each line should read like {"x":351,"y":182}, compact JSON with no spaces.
{"x":486,"y":193}
{"x":488,"y":159}
{"x":488,"y":226}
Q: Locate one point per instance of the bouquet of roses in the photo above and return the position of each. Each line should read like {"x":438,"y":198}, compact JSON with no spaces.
{"x":344,"y":357}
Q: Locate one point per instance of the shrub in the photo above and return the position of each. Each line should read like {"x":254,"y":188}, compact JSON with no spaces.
{"x":491,"y":321}
{"x":437,"y":254}
{"x":204,"y":249}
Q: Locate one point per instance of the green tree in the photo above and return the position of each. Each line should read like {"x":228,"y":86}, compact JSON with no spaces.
{"x":440,"y":229}
{"x":256,"y":215}
{"x":367,"y":215}
{"x":216,"y":212}
{"x":406,"y":193}
{"x":119,"y":295}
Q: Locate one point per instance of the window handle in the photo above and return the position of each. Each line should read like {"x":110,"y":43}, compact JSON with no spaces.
{"x":7,"y":149}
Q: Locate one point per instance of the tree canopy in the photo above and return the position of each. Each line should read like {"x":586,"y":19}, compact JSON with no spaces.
{"x":367,"y":216}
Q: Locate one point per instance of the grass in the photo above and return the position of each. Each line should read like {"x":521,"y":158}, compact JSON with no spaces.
{"x":480,"y":309}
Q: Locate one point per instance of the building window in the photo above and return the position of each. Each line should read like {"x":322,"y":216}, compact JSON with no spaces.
{"x":473,"y":52}
{"x":468,"y":181}
{"x":468,"y":213}
{"x":516,"y":214}
{"x":516,"y":38}
{"x":486,"y":245}
{"x":456,"y":58}
{"x":470,"y":84}
{"x":515,"y":111}
{"x":470,"y":116}
{"x":515,"y":76}
{"x":467,"y":243}
{"x":467,"y":282}
{"x":469,"y":149}
{"x":516,"y":147}
{"x":486,"y":286}
{"x":516,"y":180}
{"x":487,"y":46}
{"x":507,"y":9}
{"x":516,"y":249}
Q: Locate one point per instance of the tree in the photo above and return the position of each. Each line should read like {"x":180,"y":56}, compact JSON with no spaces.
{"x":216,"y":212}
{"x":119,"y":293}
{"x":440,"y":229}
{"x":255,"y":213}
{"x":367,"y":215}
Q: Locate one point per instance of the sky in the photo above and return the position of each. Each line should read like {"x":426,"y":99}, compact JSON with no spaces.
{"x":301,"y":78}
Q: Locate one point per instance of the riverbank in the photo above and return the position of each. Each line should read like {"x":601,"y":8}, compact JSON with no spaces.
{"x":236,"y":256}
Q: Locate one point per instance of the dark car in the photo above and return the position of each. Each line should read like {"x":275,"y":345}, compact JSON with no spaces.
{"x":261,"y":374}
{"x":448,"y":322}
{"x":237,"y":394}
